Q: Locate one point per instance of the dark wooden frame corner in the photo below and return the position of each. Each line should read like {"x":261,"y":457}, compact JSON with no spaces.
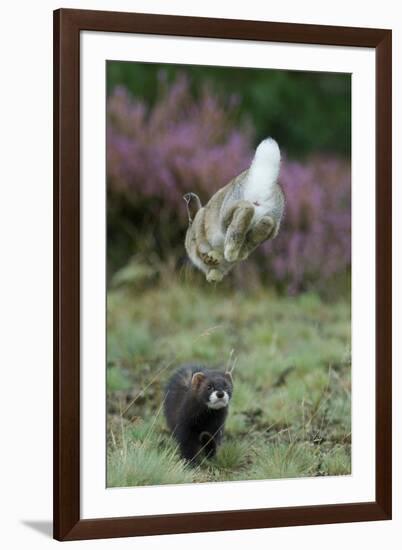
{"x":67,"y":27}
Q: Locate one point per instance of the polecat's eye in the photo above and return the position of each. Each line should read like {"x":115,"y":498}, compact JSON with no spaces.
{"x":209,"y":387}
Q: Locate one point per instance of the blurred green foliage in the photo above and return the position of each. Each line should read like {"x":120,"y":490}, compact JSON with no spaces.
{"x":304,"y":111}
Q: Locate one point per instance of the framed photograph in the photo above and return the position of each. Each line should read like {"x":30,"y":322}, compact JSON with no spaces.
{"x":222,"y":274}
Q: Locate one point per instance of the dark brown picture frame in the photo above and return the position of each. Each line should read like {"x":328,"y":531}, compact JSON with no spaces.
{"x":67,"y":27}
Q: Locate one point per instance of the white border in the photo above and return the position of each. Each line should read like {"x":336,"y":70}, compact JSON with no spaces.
{"x":96,"y":500}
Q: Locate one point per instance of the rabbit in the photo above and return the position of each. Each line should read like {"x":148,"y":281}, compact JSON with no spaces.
{"x":238,"y":217}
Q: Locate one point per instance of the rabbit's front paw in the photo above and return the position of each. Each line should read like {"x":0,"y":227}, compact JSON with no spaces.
{"x":214,"y":276}
{"x":212,"y":258}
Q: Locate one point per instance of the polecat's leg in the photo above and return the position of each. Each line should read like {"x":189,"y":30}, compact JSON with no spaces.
{"x":208,"y":444}
{"x":263,"y":230}
{"x":236,"y":232}
{"x":190,"y":448}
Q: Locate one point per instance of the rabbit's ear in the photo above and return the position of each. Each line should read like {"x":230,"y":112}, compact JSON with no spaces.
{"x":193,"y":204}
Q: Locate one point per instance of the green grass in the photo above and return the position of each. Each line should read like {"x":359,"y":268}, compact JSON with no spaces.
{"x":290,"y":414}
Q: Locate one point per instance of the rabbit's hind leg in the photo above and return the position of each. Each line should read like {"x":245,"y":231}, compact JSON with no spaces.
{"x":237,"y":229}
{"x":263,"y":230}
{"x":209,"y":256}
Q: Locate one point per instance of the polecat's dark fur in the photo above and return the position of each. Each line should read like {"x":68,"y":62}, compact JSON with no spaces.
{"x":196,"y":406}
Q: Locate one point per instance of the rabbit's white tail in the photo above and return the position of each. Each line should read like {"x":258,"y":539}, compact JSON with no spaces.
{"x":263,"y":172}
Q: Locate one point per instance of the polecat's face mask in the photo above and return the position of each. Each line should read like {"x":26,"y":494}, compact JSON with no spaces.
{"x":218,"y":399}
{"x":215,"y":391}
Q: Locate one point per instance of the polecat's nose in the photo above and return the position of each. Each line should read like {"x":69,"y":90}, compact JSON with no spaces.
{"x":219,"y":394}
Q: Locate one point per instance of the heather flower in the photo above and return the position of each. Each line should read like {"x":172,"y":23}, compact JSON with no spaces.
{"x":179,"y":145}
{"x":315,"y":238}
{"x":186,"y":143}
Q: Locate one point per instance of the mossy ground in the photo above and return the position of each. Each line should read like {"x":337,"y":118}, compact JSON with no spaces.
{"x":291,"y":411}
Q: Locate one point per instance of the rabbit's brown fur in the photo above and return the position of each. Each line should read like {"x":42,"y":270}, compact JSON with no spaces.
{"x":238,"y":217}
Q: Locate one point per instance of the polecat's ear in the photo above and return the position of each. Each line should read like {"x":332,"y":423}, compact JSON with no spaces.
{"x":196,"y":380}
{"x":229,"y":376}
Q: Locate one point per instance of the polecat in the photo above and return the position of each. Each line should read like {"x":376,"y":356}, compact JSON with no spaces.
{"x":196,"y":406}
